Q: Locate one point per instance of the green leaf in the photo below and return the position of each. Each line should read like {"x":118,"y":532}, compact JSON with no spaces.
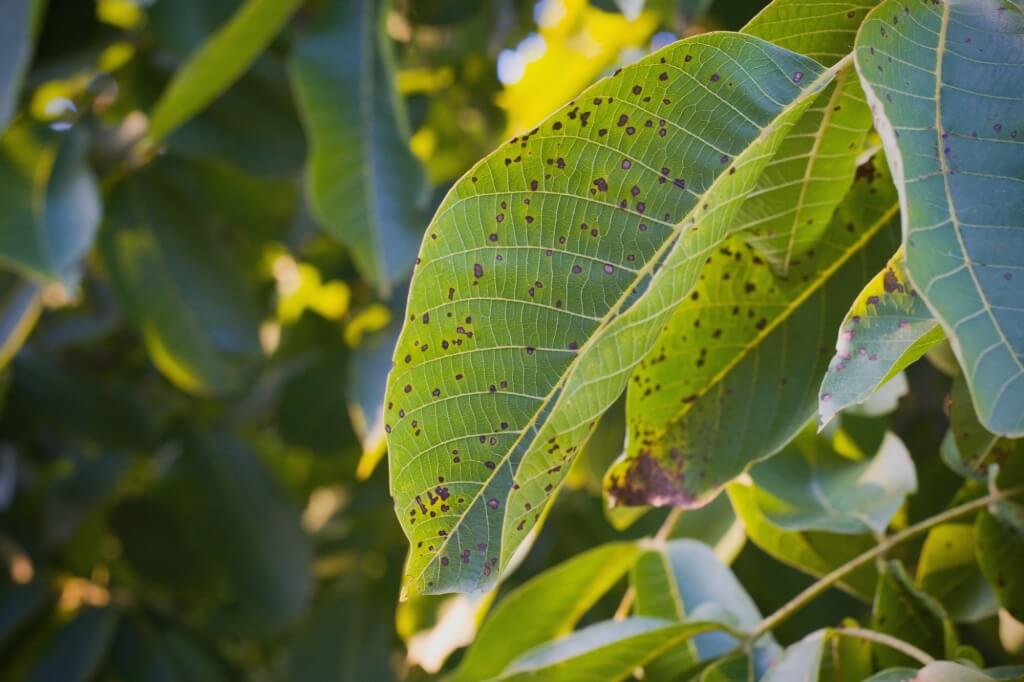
{"x":19,"y":604}
{"x":812,"y":552}
{"x":51,"y":201}
{"x":77,"y":650}
{"x":524,"y":319}
{"x":361,"y":176}
{"x":16,"y":33}
{"x":735,"y":373}
{"x":680,"y":581}
{"x":220,"y":62}
{"x":546,"y":607}
{"x":944,"y":82}
{"x":888,"y":328}
{"x":903,"y":611}
{"x":150,"y":653}
{"x":939,"y":671}
{"x":791,"y":207}
{"x":1000,"y":534}
{"x":948,"y":570}
{"x":20,"y":306}
{"x":610,"y":650}
{"x":968,"y":448}
{"x":800,"y":661}
{"x":808,"y":486}
{"x":184,"y":291}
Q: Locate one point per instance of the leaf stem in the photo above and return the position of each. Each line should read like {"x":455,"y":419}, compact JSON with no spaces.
{"x":886,"y":640}
{"x":802,"y":599}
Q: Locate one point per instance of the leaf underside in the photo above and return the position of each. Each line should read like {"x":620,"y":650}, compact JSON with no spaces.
{"x":545,"y":276}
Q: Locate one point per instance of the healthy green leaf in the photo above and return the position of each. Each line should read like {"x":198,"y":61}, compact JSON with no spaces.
{"x":944,"y":82}
{"x":903,"y":611}
{"x":800,"y":661}
{"x":812,"y":552}
{"x":362,"y":178}
{"x":219,"y":63}
{"x":735,"y":373}
{"x":545,"y":277}
{"x":187,"y":296}
{"x":51,"y":201}
{"x":544,"y":608}
{"x":948,"y":570}
{"x":15,"y":52}
{"x":888,"y":328}
{"x":790,"y":209}
{"x":1000,"y":534}
{"x":683,"y":578}
{"x":610,"y":650}
{"x":808,"y":486}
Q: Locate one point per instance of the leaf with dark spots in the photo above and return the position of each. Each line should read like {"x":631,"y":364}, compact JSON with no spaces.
{"x":888,"y":328}
{"x":604,"y":295}
{"x":999,"y":531}
{"x":907,"y":613}
{"x":948,"y":111}
{"x":696,"y":403}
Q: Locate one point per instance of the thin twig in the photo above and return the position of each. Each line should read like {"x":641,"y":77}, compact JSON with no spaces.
{"x":802,"y":599}
{"x":886,"y":640}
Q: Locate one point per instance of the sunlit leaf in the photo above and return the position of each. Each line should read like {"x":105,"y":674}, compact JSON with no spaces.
{"x":888,"y":328}
{"x":735,"y":373}
{"x":546,"y":607}
{"x":944,"y":82}
{"x":362,"y":179}
{"x":51,"y":202}
{"x":1000,"y":535}
{"x":948,"y":570}
{"x":812,"y":552}
{"x":808,"y":486}
{"x":609,"y":650}
{"x":220,"y":62}
{"x":903,"y":611}
{"x":545,"y":277}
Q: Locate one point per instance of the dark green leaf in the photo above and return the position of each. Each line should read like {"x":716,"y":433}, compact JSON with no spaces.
{"x":903,"y":611}
{"x":19,"y":604}
{"x":1000,"y":535}
{"x":15,"y":52}
{"x":948,"y":570}
{"x":20,"y":306}
{"x":944,"y":82}
{"x":77,"y":650}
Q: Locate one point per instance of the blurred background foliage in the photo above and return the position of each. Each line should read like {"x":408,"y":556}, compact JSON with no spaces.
{"x":208,"y":213}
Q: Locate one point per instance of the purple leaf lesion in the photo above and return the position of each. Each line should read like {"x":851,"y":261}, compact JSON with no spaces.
{"x":644,"y":480}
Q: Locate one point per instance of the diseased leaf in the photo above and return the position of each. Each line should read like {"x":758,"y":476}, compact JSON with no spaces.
{"x":808,"y":486}
{"x":362,"y":179}
{"x":944,"y":82}
{"x":187,"y":296}
{"x":812,"y":552}
{"x":903,"y":611}
{"x":609,"y":650}
{"x":888,"y":328}
{"x":219,"y":63}
{"x":546,"y":607}
{"x":51,"y":203}
{"x":546,"y":275}
{"x":939,"y":671}
{"x":735,"y":373}
{"x":791,"y":207}
{"x":684,"y":578}
{"x":948,"y":570}
{"x":968,"y":448}
{"x":1000,"y":535}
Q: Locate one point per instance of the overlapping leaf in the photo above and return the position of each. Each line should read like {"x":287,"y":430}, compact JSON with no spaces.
{"x":944,"y":80}
{"x":15,"y":51}
{"x":888,"y":328}
{"x":545,"y":277}
{"x":948,"y":570}
{"x":735,"y":373}
{"x":362,"y":179}
{"x":903,"y":611}
{"x":1000,"y":536}
{"x":968,"y":448}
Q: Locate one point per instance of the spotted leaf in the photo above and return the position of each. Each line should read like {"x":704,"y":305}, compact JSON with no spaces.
{"x":944,"y":79}
{"x":1000,"y":534}
{"x":888,"y":328}
{"x":801,"y":187}
{"x":968,"y":448}
{"x":905,"y":612}
{"x":546,"y":275}
{"x":361,"y":176}
{"x":734,"y":376}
